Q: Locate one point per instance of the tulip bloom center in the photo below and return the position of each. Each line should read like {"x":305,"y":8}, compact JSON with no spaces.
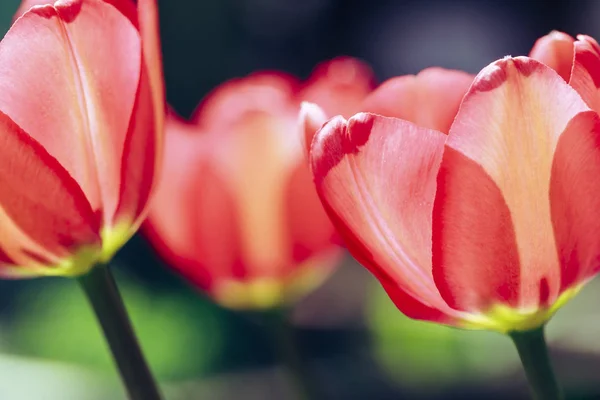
{"x":504,"y":319}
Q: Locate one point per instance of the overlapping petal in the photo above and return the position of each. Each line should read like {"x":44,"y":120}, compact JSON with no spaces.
{"x":143,"y":148}
{"x":586,"y":71}
{"x":556,"y":51}
{"x":376,"y":178}
{"x":82,"y":104}
{"x":306,"y":238}
{"x":41,"y":224}
{"x":493,"y":235}
{"x":310,"y":119}
{"x":27,"y":4}
{"x":265,"y":92}
{"x":576,"y":61}
{"x":339,"y":86}
{"x":194,"y":225}
{"x":574,"y":199}
{"x":126,"y":7}
{"x":429,"y":99}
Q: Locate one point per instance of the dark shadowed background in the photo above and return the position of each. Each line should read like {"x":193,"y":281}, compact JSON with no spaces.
{"x":354,"y":341}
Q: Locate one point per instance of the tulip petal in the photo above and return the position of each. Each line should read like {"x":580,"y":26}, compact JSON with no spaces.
{"x":586,"y":71}
{"x":485,"y":247}
{"x":126,"y":7}
{"x":68,"y":74}
{"x":429,"y":99}
{"x":149,"y":31}
{"x":376,"y":179}
{"x":257,"y":158}
{"x":302,"y":205}
{"x":194,"y":226}
{"x":143,"y":146}
{"x":493,"y":238}
{"x":556,"y":50}
{"x":44,"y":215}
{"x":310,"y":120}
{"x":252,"y":122}
{"x":575,"y":199}
{"x":140,"y":158}
{"x":27,"y":4}
{"x":339,"y":86}
{"x":226,"y":106}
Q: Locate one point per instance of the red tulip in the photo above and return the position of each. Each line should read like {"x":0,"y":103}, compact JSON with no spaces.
{"x":237,"y":213}
{"x":82,"y":114}
{"x":489,"y":227}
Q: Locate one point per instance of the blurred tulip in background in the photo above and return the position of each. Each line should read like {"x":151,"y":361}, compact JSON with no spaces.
{"x":577,"y":61}
{"x":236,"y":212}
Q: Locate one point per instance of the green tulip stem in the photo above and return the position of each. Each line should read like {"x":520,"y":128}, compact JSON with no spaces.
{"x":287,"y":348}
{"x":101,"y":291}
{"x":533,"y":352}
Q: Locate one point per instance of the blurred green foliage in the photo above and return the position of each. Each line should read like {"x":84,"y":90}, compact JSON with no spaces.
{"x":429,"y":358}
{"x":180,"y":334}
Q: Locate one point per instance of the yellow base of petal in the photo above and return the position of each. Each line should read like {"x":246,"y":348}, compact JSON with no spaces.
{"x":87,"y":257}
{"x":504,"y":319}
{"x":78,"y":264}
{"x":257,"y":294}
{"x":82,"y":261}
{"x":114,"y":238}
{"x":266,"y":293}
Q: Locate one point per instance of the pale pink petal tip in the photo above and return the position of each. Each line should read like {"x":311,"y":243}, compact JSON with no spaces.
{"x":310,"y":120}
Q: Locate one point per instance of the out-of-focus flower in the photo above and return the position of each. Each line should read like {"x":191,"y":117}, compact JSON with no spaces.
{"x":429,"y":99}
{"x":577,"y":61}
{"x":82,"y":111}
{"x":236,"y":212}
{"x":492,"y":226}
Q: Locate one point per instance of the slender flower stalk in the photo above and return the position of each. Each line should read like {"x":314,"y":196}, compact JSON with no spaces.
{"x":533,"y":352}
{"x":287,"y":349}
{"x":101,"y":290}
